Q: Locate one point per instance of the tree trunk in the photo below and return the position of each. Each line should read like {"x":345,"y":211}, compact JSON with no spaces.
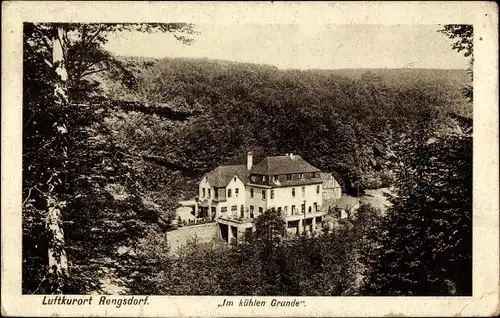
{"x":58,"y":264}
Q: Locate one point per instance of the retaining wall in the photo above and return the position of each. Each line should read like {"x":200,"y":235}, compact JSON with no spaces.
{"x":203,"y":232}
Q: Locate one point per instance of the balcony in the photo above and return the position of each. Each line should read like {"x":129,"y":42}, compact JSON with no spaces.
{"x":218,"y":200}
{"x":301,"y":216}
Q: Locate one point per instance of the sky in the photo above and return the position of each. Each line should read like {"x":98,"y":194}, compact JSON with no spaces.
{"x":303,"y":46}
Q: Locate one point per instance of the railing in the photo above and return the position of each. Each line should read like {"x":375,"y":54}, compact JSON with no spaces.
{"x":236,"y":218}
{"x":307,"y":215}
{"x":196,"y":221}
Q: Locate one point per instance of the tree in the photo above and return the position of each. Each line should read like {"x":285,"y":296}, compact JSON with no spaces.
{"x":425,"y":241}
{"x":58,"y":263}
{"x":84,"y":53}
{"x":463,"y":34}
{"x":270,"y":228}
{"x":426,"y":246}
{"x":54,"y":67}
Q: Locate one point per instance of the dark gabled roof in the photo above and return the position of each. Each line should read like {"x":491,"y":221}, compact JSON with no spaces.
{"x":222,"y":175}
{"x":346,"y":202}
{"x":282,"y":165}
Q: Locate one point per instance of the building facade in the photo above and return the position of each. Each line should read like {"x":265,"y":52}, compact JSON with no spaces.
{"x":236,"y":195}
{"x":332,"y":190}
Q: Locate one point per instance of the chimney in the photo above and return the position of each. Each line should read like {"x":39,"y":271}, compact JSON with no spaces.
{"x":249,"y":160}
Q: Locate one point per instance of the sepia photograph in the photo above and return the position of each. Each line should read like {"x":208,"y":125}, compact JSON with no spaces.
{"x":222,"y":175}
{"x":269,"y":161}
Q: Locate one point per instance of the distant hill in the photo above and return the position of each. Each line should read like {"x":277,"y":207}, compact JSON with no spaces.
{"x":204,"y":70}
{"x":386,"y":74}
{"x":404,"y":75}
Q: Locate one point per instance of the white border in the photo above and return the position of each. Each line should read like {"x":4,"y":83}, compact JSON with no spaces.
{"x":484,"y":16}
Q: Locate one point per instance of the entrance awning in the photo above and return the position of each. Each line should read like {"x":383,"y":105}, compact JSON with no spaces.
{"x":204,"y":204}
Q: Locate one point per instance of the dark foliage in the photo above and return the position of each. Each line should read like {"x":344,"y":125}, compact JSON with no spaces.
{"x":424,"y":246}
{"x":426,"y":239}
{"x":342,"y":121}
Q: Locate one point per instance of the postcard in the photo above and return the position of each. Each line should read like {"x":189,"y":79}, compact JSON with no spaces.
{"x":267,"y":159}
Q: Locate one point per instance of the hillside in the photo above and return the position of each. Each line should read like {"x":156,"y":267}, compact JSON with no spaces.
{"x":345,"y":121}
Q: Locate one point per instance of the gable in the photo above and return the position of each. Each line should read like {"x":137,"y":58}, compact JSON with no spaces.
{"x":222,"y":175}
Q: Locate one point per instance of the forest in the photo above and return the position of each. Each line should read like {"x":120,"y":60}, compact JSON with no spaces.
{"x":111,"y":144}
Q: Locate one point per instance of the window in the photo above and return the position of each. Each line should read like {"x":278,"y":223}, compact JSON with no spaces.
{"x":293,"y":209}
{"x":203,"y":192}
{"x":228,"y":193}
{"x":263,"y":194}
{"x":213,"y":211}
{"x":251,"y":192}
{"x":209,"y":195}
{"x":223,"y":209}
{"x":310,"y":209}
{"x":251,"y":211}
{"x":315,"y":206}
{"x":285,"y":209}
{"x":253,"y":178}
{"x":293,"y":192}
{"x":317,"y":189}
{"x":234,"y":179}
{"x":261,"y":210}
{"x":234,"y":208}
{"x":303,"y":191}
{"x":236,"y":192}
{"x":275,"y":178}
{"x":263,"y":179}
{"x":272,"y":194}
{"x":288,"y":177}
{"x":301,"y":176}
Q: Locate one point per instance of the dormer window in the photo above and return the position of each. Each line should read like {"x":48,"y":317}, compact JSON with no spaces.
{"x":263,"y":179}
{"x":301,"y":176}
